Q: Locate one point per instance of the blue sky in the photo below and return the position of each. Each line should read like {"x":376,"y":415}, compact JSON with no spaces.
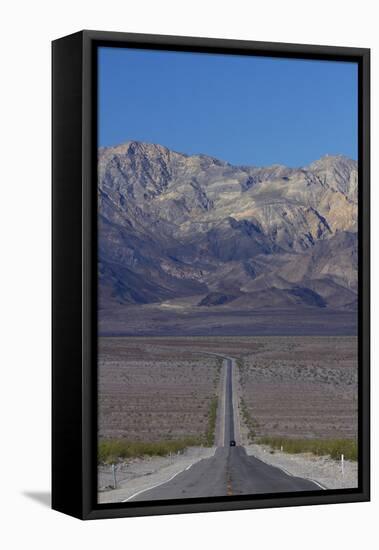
{"x":245,"y":110}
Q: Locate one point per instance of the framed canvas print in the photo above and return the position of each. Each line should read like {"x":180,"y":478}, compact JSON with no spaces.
{"x":210,"y":274}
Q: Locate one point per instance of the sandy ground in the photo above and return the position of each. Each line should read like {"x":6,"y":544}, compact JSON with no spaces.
{"x":142,"y":474}
{"x":302,"y":387}
{"x":322,"y":469}
{"x":153,"y":391}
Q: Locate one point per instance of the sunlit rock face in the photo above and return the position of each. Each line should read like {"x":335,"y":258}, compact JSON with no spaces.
{"x":173,"y":226}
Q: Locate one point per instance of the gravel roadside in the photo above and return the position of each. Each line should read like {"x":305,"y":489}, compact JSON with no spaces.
{"x":143,"y":473}
{"x":322,"y":469}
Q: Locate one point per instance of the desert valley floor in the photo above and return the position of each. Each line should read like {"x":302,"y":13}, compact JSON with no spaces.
{"x":170,"y":389}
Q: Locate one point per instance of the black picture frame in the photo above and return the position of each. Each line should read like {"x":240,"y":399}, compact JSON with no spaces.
{"x":74,"y":295}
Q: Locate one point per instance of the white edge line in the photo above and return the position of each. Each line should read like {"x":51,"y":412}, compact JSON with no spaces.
{"x":157,"y":485}
{"x":317,"y":483}
{"x":290,"y":474}
{"x":167,"y":480}
{"x":300,"y":477}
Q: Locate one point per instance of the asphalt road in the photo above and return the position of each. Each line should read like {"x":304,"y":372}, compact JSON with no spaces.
{"x":229,"y":413}
{"x":230,"y":471}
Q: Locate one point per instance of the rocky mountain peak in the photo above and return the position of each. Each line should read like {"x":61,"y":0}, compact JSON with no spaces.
{"x":333,"y":162}
{"x":339,"y":172}
{"x":176,"y":226}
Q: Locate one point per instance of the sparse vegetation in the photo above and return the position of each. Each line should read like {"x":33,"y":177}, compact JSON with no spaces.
{"x":320,"y":447}
{"x":250,"y":423}
{"x":212,"y":416}
{"x":113,"y":450}
{"x":300,"y":388}
{"x":153,"y":390}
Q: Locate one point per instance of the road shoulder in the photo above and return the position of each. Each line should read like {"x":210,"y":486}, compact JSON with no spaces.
{"x":146,"y":473}
{"x":321,"y":469}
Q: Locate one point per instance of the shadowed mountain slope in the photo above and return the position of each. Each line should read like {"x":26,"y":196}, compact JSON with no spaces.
{"x":195,"y":232}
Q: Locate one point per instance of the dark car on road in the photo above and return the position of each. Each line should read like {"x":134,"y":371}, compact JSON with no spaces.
{"x":232,"y":443}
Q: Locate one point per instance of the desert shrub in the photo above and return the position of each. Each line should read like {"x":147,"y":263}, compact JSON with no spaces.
{"x":113,"y":450}
{"x":320,"y":447}
{"x":251,"y":424}
{"x":212,"y":416}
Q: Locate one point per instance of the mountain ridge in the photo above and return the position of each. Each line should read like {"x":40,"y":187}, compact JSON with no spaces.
{"x":124,"y":146}
{"x":174,"y":226}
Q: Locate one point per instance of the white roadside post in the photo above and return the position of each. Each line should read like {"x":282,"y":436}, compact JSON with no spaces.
{"x":114,"y":476}
{"x":342,"y":465}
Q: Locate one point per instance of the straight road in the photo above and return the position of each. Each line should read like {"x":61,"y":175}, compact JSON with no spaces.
{"x":231,"y":471}
{"x":229,"y":411}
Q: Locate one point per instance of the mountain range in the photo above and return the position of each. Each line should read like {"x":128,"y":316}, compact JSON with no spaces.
{"x":192,"y":243}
